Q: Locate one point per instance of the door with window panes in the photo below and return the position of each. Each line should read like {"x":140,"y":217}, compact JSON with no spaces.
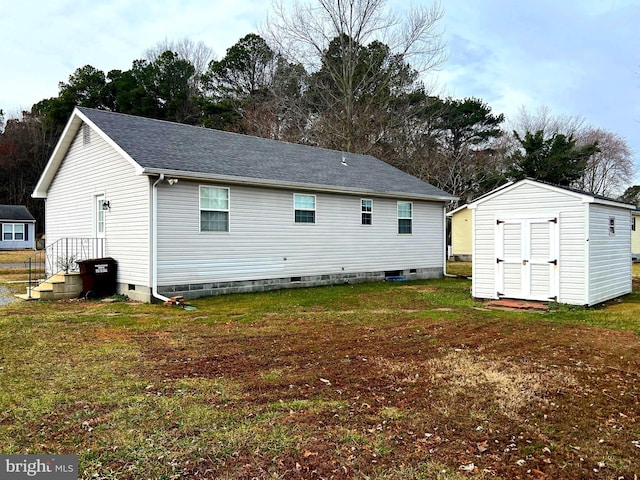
{"x":99,"y":216}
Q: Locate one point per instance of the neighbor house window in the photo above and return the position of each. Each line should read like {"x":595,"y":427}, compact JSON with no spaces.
{"x":367,"y":211}
{"x":405,"y":217}
{"x":612,"y":225}
{"x":304,"y":207}
{"x":633,"y":224}
{"x":12,"y":231}
{"x":214,"y":209}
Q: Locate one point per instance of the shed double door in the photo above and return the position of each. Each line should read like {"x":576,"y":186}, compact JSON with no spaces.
{"x":527,"y":262}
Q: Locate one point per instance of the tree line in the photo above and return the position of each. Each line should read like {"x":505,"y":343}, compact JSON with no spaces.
{"x":341,"y":75}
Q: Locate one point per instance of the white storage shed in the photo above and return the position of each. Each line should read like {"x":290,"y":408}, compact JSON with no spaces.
{"x":537,"y":241}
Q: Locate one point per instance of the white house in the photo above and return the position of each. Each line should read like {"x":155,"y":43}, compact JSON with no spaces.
{"x":537,"y":241}
{"x":192,"y":211}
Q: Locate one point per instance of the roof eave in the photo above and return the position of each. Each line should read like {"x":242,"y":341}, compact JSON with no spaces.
{"x":232,"y":179}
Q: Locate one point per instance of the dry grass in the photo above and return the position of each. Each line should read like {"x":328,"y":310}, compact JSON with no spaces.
{"x":15,"y":256}
{"x":511,"y":387}
{"x":462,"y":269}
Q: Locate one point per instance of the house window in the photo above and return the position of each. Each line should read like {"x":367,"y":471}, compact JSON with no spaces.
{"x":612,"y":225}
{"x":13,"y":231}
{"x":367,"y":210}
{"x":214,"y":209}
{"x":405,"y":217}
{"x":633,"y":224}
{"x":304,"y":207}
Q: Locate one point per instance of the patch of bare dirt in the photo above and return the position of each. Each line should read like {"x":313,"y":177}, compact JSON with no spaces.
{"x":530,"y":400}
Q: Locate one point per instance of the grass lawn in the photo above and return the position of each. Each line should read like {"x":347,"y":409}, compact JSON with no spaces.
{"x":393,"y":380}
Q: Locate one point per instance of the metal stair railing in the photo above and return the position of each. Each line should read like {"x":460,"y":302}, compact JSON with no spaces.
{"x":62,"y":256}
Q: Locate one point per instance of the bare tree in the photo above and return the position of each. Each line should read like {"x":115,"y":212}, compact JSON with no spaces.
{"x":25,"y":147}
{"x":611,"y":169}
{"x":303,"y":32}
{"x":196,"y":53}
{"x":543,"y":119}
{"x":355,"y":50}
{"x":608,"y":171}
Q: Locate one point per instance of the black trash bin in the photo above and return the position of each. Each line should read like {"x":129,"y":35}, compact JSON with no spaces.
{"x":99,"y":277}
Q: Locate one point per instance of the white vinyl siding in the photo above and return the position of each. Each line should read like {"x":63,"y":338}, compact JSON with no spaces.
{"x":609,"y":255}
{"x":525,"y":201}
{"x":265,"y":243}
{"x":593,"y":265}
{"x":87,"y":172}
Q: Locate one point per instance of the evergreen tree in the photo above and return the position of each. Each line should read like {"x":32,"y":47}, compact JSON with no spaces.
{"x":555,"y":160}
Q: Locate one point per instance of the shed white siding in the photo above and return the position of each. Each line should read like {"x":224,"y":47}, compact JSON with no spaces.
{"x":93,"y":169}
{"x":609,"y":259}
{"x":264,"y":242}
{"x":592,"y":265}
{"x":527,"y":201}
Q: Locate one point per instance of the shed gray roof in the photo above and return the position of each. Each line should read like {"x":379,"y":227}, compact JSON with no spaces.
{"x":166,"y":147}
{"x":15,"y":213}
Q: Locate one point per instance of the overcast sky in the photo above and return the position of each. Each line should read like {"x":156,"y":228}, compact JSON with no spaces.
{"x":576,"y":57}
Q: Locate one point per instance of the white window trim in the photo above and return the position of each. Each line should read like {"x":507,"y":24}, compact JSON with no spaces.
{"x":362,"y":212}
{"x":314,"y":209}
{"x":403,"y":218}
{"x":228,"y":210}
{"x":13,"y":232}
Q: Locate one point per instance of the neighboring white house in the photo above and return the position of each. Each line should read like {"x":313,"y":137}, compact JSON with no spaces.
{"x":17,"y":228}
{"x":191,"y":211}
{"x":536,"y":241}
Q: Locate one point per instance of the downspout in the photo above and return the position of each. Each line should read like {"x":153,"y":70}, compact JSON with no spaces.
{"x":444,"y":230}
{"x":154,"y":241}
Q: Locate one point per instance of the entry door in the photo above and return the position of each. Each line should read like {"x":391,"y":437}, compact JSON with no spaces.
{"x":527,"y":265}
{"x":99,"y":216}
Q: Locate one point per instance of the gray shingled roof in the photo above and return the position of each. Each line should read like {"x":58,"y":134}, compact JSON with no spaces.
{"x":16,"y":212}
{"x":160,"y":146}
